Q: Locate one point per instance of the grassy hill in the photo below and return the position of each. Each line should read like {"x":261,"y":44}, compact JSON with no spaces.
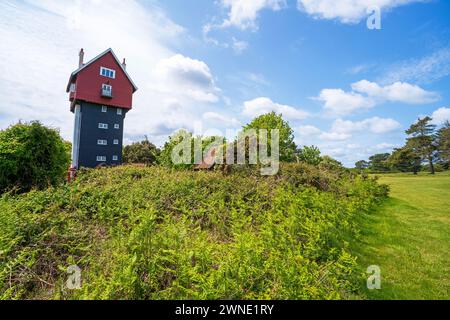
{"x":154,"y":233}
{"x":409,"y":238}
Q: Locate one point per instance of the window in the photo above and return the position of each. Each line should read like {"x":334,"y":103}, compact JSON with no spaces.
{"x":106,"y":90}
{"x":109,"y":73}
{"x":116,"y":126}
{"x":119,"y":111}
{"x":104,"y":109}
{"x":116,"y":141}
{"x":73,"y":87}
{"x":101,"y":159}
{"x":115,"y":158}
{"x":102,"y":142}
{"x":103,"y":126}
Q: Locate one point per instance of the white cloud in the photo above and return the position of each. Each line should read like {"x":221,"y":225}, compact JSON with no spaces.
{"x":262,"y":105}
{"x":308,"y":131}
{"x":244,"y":13}
{"x":337,"y":101}
{"x":214,"y":117}
{"x":366,"y":94}
{"x":187,"y":77}
{"x":441,"y":115}
{"x":375,"y":125}
{"x":40,"y":44}
{"x":396,"y":92}
{"x":335,"y":136}
{"x":346,"y":11}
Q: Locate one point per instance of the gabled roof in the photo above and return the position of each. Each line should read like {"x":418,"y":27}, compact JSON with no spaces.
{"x":135,"y":88}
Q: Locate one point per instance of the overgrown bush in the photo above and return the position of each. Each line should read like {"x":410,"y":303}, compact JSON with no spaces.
{"x":157,"y":233}
{"x":31,"y":156}
{"x":143,"y":152}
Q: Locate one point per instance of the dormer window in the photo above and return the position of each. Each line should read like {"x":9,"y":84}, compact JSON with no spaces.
{"x":109,"y":73}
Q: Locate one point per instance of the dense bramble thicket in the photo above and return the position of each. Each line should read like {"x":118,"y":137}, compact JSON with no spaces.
{"x":154,"y":233}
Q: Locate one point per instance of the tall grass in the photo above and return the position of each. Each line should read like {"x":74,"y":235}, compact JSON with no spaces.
{"x":153,"y":233}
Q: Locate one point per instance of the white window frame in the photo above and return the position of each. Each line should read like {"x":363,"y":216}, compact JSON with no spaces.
{"x":116,"y":126}
{"x":119,"y":111}
{"x":101,"y":158}
{"x":102,"y":142}
{"x":116,"y":141}
{"x":115,"y":158}
{"x":103,"y":126}
{"x":104,"y":109}
{"x":73,"y":87}
{"x":104,"y":72}
{"x":107,"y":87}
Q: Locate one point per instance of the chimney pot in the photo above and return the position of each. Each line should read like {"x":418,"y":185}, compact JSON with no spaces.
{"x":81,"y":58}
{"x":124,"y":64}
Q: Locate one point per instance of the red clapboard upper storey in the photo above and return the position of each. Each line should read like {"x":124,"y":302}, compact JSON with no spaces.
{"x":103,"y":80}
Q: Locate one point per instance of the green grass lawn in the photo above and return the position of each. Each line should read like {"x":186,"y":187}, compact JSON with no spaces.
{"x":409,"y":238}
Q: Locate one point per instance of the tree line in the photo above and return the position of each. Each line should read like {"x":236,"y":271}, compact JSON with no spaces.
{"x":426,"y":147}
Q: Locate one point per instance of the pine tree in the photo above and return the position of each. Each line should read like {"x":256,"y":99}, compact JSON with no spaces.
{"x":443,"y":144}
{"x":422,"y":140}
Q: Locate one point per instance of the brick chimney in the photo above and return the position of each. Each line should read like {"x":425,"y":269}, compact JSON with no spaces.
{"x":81,"y":58}
{"x":124,"y":64}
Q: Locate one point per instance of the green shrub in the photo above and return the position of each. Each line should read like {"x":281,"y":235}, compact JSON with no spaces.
{"x":158,"y":233}
{"x":31,"y":156}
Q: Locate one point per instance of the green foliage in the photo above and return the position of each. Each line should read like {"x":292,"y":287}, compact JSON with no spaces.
{"x":404,"y":160}
{"x":166,"y":155}
{"x":155,"y":233}
{"x":310,"y":155}
{"x":31,"y":156}
{"x":378,"y":162}
{"x":274,"y":121}
{"x":422,"y":140}
{"x":362,"y":165}
{"x":143,"y":152}
{"x":443,"y":143}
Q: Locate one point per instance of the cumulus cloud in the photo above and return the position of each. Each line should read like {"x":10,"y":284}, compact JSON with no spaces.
{"x":441,"y":115}
{"x":188,"y":77}
{"x":366,"y":94}
{"x":262,"y":105}
{"x":396,"y":92}
{"x":346,"y":11}
{"x":339,"y":102}
{"x":375,"y":125}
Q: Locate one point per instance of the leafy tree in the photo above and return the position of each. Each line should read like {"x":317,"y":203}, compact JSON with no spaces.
{"x":31,"y":156}
{"x":275,"y":121}
{"x":176,"y":140}
{"x":422,"y":140}
{"x":378,"y":162}
{"x":362,"y":165}
{"x":443,"y":144}
{"x":405,"y":160}
{"x":310,"y":155}
{"x":141,"y":152}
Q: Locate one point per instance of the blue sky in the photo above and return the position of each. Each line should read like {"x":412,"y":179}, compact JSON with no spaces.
{"x":217,"y":64}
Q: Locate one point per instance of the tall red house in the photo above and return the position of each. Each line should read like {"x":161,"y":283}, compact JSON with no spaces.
{"x":101,"y":94}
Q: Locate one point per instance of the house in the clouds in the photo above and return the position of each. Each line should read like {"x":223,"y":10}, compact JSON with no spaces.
{"x":101,"y":93}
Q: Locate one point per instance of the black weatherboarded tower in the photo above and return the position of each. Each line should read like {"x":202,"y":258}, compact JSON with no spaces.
{"x":101,"y":93}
